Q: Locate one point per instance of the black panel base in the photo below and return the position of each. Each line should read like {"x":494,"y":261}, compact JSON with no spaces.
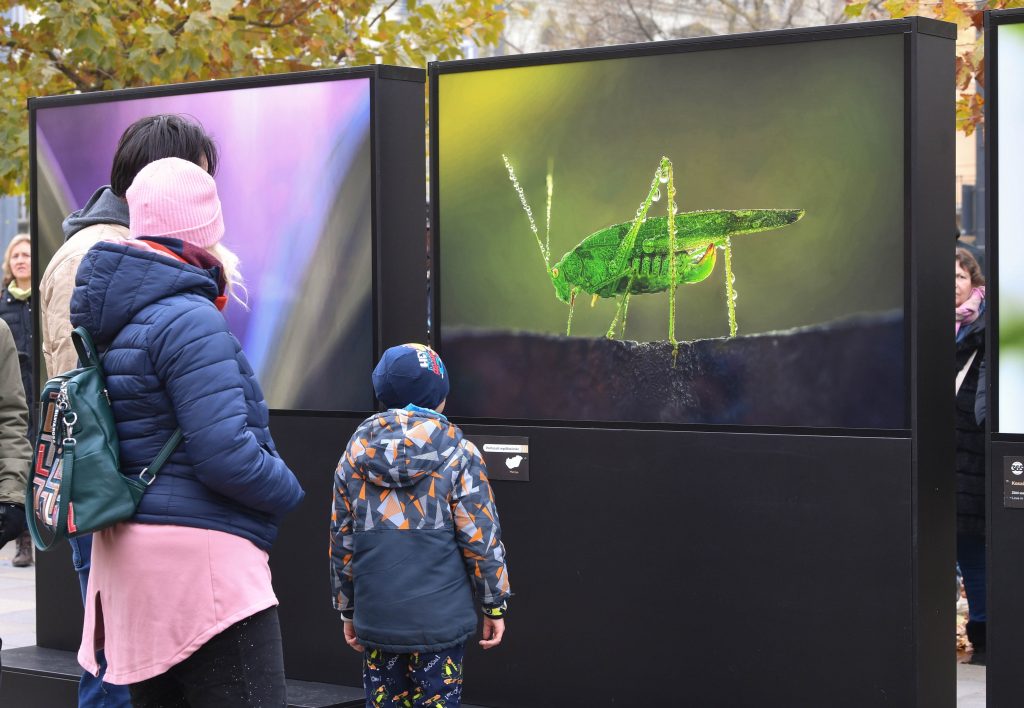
{"x":34,"y":677}
{"x":39,"y":678}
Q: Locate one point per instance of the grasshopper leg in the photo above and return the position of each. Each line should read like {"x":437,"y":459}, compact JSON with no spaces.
{"x":625,"y":311}
{"x":669,"y":177}
{"x":730,"y":290}
{"x":572,"y":308}
{"x":620,"y":310}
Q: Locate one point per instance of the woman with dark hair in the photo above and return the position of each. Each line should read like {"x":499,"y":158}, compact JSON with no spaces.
{"x":16,"y":311}
{"x":970,"y":446}
{"x":105,"y":218}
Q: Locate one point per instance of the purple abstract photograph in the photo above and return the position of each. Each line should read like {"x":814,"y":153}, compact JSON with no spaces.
{"x":294,"y":180}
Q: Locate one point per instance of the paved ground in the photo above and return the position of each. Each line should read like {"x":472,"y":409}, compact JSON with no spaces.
{"x":970,"y":680}
{"x":17,"y":602}
{"x":17,"y":625}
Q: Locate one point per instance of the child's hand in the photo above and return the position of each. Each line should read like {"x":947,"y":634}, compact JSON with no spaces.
{"x":493,"y":631}
{"x":350,"y":637}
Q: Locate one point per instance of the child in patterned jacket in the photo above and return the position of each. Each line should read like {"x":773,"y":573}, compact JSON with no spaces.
{"x":414,"y":537}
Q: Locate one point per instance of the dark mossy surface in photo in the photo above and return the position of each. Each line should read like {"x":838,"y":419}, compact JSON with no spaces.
{"x":848,"y":373}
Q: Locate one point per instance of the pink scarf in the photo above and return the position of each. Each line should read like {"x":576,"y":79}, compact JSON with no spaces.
{"x":968,"y":312}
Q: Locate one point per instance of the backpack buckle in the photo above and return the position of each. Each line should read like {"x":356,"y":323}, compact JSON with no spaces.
{"x":146,"y":480}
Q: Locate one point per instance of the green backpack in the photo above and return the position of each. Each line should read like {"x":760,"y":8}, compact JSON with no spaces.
{"x":77,"y":486}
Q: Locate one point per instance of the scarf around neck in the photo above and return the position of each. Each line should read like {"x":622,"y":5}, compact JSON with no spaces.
{"x":191,"y":254}
{"x":19,"y":293}
{"x":969,"y":310}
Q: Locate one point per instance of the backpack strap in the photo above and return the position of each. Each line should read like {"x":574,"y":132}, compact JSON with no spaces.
{"x":85,"y":347}
{"x":148,"y":475}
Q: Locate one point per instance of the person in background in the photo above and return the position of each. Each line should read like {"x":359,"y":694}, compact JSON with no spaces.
{"x":970,"y":446}
{"x":105,"y":218}
{"x":973,"y":249}
{"x":415,"y":541}
{"x":16,"y":311}
{"x":15,"y":450}
{"x":180,"y":597}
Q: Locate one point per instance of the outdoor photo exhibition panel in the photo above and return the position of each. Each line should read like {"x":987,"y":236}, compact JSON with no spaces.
{"x":322,"y":187}
{"x":1004,"y":157}
{"x":783,"y":167}
{"x":701,"y":283}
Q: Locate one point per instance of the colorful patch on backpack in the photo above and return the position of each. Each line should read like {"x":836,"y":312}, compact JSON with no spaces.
{"x":49,"y":463}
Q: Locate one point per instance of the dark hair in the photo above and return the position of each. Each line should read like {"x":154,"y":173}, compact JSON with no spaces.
{"x":967,"y":261}
{"x":156,"y":137}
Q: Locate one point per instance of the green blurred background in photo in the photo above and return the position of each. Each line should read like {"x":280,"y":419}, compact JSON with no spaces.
{"x":1011,"y":228}
{"x":809,"y":125}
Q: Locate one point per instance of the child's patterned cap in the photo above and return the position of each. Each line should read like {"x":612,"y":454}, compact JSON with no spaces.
{"x":410,"y":373}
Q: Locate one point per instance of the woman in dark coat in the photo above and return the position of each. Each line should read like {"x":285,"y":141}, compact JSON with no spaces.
{"x":970,"y":446}
{"x":16,"y":311}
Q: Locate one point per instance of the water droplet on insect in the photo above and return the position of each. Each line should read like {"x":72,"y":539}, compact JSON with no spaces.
{"x":734,"y":296}
{"x":732,"y":279}
{"x":663,"y":177}
{"x":656,"y":196}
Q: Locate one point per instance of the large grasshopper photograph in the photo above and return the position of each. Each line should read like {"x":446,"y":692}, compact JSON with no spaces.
{"x":650,"y":255}
{"x":721,"y":236}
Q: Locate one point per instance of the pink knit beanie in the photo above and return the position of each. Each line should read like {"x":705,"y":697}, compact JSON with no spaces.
{"x":176,"y":198}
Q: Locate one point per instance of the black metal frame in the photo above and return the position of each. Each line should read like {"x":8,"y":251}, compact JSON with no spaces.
{"x":993,"y":20}
{"x":378,"y":74}
{"x":909,"y":27}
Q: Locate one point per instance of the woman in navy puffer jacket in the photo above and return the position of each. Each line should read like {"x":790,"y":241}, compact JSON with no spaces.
{"x":180,"y":596}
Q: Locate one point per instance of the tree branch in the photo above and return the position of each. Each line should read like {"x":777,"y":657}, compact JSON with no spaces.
{"x":80,"y":83}
{"x":302,"y":10}
{"x":794,"y":7}
{"x":178,"y":28}
{"x":639,"y":22}
{"x":382,"y":12}
{"x":740,"y":12}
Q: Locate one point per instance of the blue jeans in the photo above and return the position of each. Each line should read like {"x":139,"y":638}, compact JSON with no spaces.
{"x":94,"y":692}
{"x":970,"y":554}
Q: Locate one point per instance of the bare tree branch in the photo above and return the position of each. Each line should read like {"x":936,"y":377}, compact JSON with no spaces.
{"x":738,"y":11}
{"x":639,"y":22}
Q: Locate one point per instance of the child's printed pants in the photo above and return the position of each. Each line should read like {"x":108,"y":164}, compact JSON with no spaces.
{"x":418,"y":680}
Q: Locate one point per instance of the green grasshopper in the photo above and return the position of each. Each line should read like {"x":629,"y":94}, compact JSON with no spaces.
{"x":650,"y":255}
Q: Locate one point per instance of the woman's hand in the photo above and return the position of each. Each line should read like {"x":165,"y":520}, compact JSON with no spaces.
{"x":350,"y":637}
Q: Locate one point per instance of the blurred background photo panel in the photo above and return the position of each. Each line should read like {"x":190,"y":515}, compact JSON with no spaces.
{"x":294,"y":182}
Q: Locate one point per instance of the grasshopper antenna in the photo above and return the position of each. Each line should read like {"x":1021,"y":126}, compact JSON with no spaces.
{"x":544,"y":252}
{"x":551,"y":189}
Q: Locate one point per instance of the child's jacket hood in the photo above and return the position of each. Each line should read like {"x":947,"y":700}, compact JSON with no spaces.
{"x":400,"y":447}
